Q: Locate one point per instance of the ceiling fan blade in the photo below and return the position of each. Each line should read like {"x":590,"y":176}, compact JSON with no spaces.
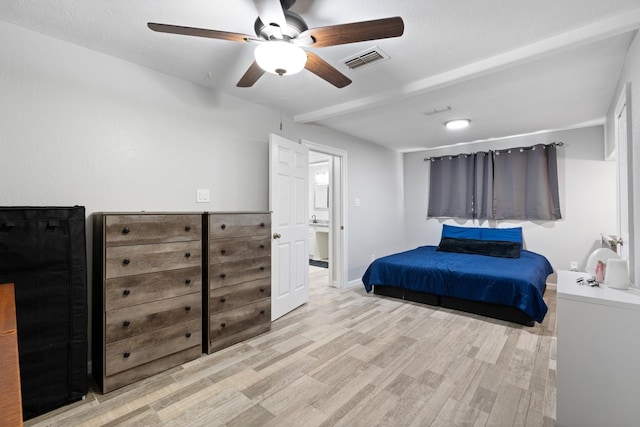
{"x":251,"y":75}
{"x":324,"y":70}
{"x":333,"y":35}
{"x":270,"y":12}
{"x":199,"y":32}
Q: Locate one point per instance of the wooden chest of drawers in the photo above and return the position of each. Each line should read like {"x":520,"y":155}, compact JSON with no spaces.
{"x":239,"y":278}
{"x":147,"y":295}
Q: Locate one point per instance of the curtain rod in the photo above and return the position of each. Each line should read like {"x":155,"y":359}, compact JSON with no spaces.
{"x":504,"y":150}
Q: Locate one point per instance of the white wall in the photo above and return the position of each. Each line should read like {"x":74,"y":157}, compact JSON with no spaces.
{"x":587,"y":197}
{"x":631,"y":74}
{"x":80,"y":127}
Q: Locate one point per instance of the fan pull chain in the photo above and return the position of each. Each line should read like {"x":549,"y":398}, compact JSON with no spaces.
{"x":280,"y":96}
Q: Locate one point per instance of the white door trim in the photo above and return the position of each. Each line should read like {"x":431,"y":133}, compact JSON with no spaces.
{"x":339,"y":228}
{"x":624,"y":174}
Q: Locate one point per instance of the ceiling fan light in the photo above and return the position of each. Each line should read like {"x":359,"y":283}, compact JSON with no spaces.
{"x":280,"y":57}
{"x":457,"y":124}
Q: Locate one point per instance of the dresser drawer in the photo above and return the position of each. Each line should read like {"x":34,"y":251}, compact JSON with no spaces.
{"x":232,"y":273}
{"x":230,"y":297}
{"x":141,"y":229}
{"x":236,"y":321}
{"x":225,"y":250}
{"x":130,"y":260}
{"x":142,"y":288}
{"x":129,"y":321}
{"x":223,"y":226}
{"x":140,"y":349}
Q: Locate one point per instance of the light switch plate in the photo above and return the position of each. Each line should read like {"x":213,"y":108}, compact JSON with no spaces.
{"x":202,"y":195}
{"x":357,"y":202}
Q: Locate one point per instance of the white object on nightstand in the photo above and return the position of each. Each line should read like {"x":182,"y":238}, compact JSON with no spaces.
{"x":597,"y":350}
{"x":600,"y":254}
{"x":617,"y":276}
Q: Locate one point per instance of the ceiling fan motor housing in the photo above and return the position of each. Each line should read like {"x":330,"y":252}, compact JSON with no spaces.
{"x":295,"y":26}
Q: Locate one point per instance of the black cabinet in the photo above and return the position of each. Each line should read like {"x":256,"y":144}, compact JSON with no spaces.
{"x":43,"y":252}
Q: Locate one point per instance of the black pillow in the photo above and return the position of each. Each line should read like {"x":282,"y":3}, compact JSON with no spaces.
{"x":495,"y":248}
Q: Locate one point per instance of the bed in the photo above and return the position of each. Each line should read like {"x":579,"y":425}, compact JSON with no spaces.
{"x":473,"y":269}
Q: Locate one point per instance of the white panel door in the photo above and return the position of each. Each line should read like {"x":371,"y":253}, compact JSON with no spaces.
{"x":288,"y":200}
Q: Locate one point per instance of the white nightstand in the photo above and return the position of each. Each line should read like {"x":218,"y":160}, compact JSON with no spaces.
{"x":598,"y":354}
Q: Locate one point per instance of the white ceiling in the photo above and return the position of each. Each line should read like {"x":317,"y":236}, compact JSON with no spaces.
{"x":511,"y":66}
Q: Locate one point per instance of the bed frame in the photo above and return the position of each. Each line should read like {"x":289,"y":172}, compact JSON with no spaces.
{"x":502,"y":312}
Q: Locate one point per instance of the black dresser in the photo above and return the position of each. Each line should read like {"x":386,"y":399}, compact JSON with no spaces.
{"x":43,"y":252}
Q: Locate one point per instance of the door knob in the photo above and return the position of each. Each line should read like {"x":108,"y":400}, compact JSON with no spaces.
{"x":277,"y":235}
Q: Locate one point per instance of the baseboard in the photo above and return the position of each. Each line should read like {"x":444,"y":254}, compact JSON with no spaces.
{"x":354,"y":283}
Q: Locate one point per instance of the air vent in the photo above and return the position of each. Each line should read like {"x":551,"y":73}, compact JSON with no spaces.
{"x":367,"y":57}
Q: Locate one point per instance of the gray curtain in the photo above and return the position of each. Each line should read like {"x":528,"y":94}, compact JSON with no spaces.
{"x":483,"y":186}
{"x":520,"y":183}
{"x":451,"y":186}
{"x":525,"y":184}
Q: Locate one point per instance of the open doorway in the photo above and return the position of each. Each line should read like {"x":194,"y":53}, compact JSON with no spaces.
{"x":327,"y":238}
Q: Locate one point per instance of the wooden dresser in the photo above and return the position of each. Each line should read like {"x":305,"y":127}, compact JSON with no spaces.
{"x":239,"y":278}
{"x":11,"y":400}
{"x":147,"y":294}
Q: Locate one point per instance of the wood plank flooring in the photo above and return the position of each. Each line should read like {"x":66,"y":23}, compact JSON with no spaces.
{"x":350,"y":359}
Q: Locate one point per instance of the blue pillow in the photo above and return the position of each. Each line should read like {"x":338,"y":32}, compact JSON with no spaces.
{"x":513,"y":234}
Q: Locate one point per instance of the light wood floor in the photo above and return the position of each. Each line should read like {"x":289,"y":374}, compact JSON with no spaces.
{"x":350,"y":359}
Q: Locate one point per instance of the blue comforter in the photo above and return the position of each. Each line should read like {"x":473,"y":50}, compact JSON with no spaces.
{"x":512,"y":282}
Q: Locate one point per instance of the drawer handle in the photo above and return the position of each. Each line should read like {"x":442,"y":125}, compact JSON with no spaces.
{"x":261,"y":289}
{"x":223,"y":275}
{"x":223,"y":299}
{"x":262,"y":224}
{"x":126,"y":354}
{"x":261,"y":311}
{"x":223,"y":226}
{"x":126,"y":230}
{"x":187,"y":282}
{"x":187,"y":308}
{"x":126,"y":292}
{"x":187,"y":228}
{"x":224,"y":325}
{"x":187,"y":255}
{"x":261,"y":246}
{"x":126,"y":261}
{"x":188,"y":334}
{"x":223,"y":251}
{"x":126,"y":323}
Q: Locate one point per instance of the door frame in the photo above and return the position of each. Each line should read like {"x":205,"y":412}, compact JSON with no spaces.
{"x":623,"y":105}
{"x":338,"y":247}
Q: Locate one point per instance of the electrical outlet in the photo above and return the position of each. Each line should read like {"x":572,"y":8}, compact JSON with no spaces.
{"x":357,"y":202}
{"x":202,"y":195}
{"x":574,"y":265}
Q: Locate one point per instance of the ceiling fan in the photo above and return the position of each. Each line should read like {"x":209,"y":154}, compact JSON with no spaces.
{"x":281,"y":35}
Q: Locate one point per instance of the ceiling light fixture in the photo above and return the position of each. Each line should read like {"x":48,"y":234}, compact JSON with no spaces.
{"x":280,"y":57}
{"x":457,"y":123}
